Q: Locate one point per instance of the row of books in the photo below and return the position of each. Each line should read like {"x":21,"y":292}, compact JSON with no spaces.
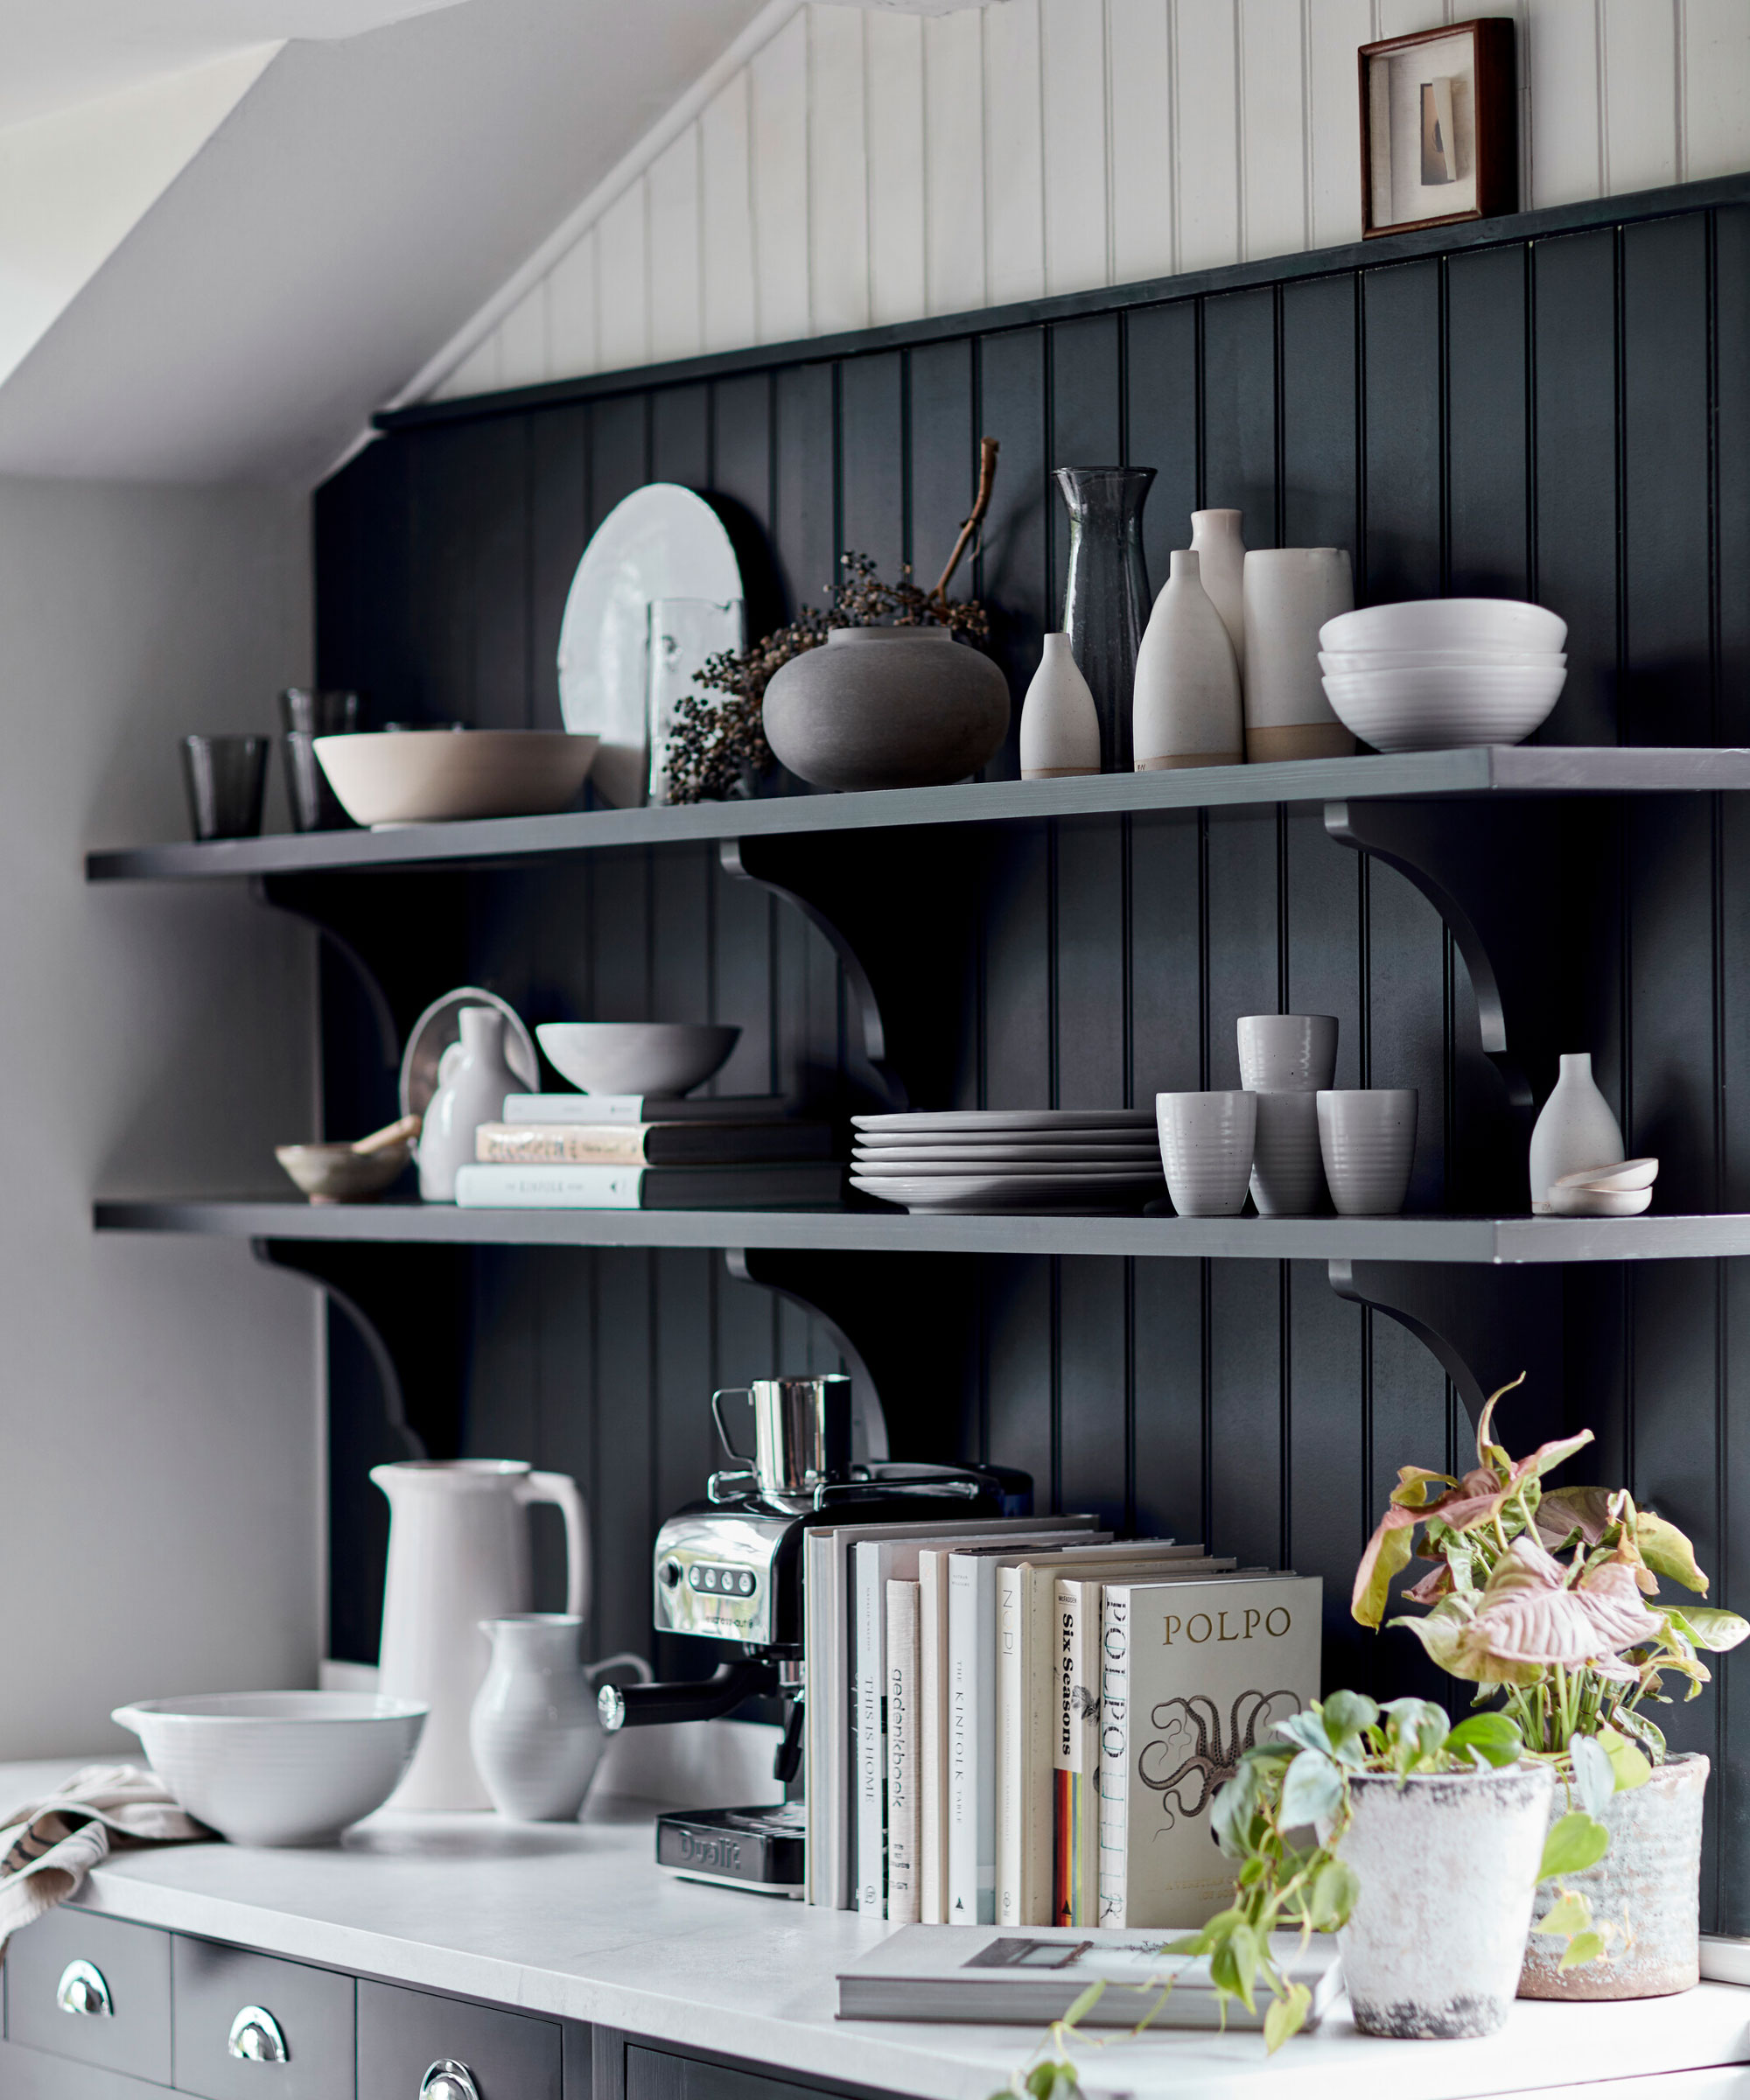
{"x":629,"y":1151}
{"x":1024,"y":1723}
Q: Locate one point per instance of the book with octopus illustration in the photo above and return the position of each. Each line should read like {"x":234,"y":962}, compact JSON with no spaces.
{"x":1191,"y":1675}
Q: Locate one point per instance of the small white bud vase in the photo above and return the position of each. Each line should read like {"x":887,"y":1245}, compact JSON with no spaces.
{"x":1290,"y":594}
{"x":1187,"y":690}
{"x":473,"y":1081}
{"x":1577,"y":1129}
{"x":1216,"y":542}
{"x":1060,"y":724}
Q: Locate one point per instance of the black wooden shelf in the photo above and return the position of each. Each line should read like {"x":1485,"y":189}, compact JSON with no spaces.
{"x":1535,"y":769}
{"x":1488,"y":1240}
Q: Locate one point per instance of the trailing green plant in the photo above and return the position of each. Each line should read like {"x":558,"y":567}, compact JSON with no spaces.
{"x":1548,"y":1601}
{"x":1282,"y":1819}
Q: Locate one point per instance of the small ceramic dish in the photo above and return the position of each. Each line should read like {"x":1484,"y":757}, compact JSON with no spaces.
{"x":1629,"y":1174}
{"x":666,"y":1058}
{"x":413,"y":777}
{"x":336,"y":1173}
{"x":1598,"y":1202}
{"x":277,"y":1768}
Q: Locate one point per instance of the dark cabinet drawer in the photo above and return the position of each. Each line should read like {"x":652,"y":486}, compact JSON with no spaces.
{"x":133,"y":1963}
{"x":311,"y":2009}
{"x":402,"y":2033}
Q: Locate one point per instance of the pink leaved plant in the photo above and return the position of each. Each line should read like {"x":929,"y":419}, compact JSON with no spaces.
{"x":1549,"y":1600}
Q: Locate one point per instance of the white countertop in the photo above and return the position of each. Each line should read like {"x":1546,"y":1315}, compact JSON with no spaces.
{"x":576,"y":1921}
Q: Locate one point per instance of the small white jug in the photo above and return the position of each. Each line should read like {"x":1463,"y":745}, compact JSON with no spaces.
{"x":458,"y":1553}
{"x":473,"y":1081}
{"x":536,"y":1734}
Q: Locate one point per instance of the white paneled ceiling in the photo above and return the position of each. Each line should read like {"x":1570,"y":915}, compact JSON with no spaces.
{"x":366,"y":196}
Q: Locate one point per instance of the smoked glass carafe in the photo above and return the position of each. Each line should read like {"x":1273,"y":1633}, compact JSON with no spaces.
{"x":1106,"y":602}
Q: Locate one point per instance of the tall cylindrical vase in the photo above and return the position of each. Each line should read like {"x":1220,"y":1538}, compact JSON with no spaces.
{"x":1106,"y":602}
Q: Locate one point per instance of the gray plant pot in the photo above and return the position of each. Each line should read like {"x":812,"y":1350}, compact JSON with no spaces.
{"x":1647,"y":1885}
{"x":887,"y":707}
{"x":1446,"y":1865}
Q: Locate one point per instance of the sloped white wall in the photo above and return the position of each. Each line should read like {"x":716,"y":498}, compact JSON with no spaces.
{"x":864,"y":167}
{"x":159,"y":1428}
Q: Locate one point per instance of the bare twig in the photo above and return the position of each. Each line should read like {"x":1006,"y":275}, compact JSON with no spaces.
{"x":981,"y":504}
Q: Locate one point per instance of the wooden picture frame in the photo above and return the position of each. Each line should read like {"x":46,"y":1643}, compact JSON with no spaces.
{"x":1457,"y":129}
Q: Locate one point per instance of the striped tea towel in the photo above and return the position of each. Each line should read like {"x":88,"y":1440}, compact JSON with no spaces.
{"x":48,"y":1847}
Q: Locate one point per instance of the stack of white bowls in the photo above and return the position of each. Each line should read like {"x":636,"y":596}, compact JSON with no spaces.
{"x":1436,"y":673}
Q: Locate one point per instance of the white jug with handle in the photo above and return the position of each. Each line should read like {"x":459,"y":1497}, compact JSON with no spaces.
{"x":458,"y":1553}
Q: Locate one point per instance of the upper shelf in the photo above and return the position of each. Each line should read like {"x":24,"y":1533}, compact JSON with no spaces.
{"x":1489,"y":770}
{"x":1399,"y":1239}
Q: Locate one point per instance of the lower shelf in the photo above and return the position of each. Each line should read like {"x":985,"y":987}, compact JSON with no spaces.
{"x":1401,"y":1239}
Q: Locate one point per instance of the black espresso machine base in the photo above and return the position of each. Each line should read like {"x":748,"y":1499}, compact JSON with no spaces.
{"x":760,"y":1850}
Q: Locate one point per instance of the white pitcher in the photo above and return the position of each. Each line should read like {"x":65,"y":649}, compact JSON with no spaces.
{"x":458,"y":1553}
{"x":536,"y":1736}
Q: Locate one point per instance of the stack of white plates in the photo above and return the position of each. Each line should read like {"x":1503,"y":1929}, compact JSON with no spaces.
{"x":1437,"y":673}
{"x":1068,"y":1162}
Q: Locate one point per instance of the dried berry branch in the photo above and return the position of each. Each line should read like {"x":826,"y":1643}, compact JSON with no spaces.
{"x":719,"y":740}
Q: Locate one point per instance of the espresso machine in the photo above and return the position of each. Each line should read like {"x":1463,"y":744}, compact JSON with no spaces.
{"x":731,"y":1568}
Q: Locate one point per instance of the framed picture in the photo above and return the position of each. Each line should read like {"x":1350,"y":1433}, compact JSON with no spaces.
{"x":1439,"y":127}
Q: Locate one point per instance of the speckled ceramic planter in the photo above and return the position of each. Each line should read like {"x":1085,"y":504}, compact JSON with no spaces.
{"x":887,"y":707}
{"x":1648,"y":1885}
{"x":1446,"y":1865}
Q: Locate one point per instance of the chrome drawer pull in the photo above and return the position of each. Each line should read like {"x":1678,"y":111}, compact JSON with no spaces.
{"x":82,"y":1989}
{"x":448,"y":2081}
{"x":256,"y":2037}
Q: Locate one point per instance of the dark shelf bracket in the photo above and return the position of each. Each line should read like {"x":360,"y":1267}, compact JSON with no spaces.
{"x":1489,"y":868}
{"x":901,"y":929}
{"x":1483,"y":1324}
{"x":288,"y":898}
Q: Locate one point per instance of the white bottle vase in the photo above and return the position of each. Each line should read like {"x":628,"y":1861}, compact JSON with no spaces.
{"x":1188,"y":690}
{"x":1060,"y":724}
{"x":1221,"y":553}
{"x":473,"y":1081}
{"x":1290,"y":594}
{"x":1576,"y":1130}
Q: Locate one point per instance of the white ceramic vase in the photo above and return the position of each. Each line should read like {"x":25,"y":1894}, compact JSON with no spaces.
{"x":1216,"y":542}
{"x":534,"y":1732}
{"x":473,"y":1081}
{"x":1060,"y":724}
{"x":1290,"y":594}
{"x":1447,"y":1865}
{"x":458,"y":1553}
{"x":1576,"y":1130}
{"x":1187,"y":690}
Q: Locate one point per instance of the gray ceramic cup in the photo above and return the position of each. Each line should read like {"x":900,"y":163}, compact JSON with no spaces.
{"x":1205,"y":1146}
{"x":1287,"y":1052}
{"x":1367,"y":1138}
{"x":1288,"y":1169}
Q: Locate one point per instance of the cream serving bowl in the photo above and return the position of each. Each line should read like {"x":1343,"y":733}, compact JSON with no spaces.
{"x":636,"y":1057}
{"x":277,"y":1768}
{"x":418,"y":776}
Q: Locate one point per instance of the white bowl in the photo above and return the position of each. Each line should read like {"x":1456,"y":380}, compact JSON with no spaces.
{"x":1599,"y":1202}
{"x":1627,"y":1174}
{"x":442,"y":776}
{"x":1442,"y":710}
{"x":277,"y":1768}
{"x":1446,"y":623}
{"x":668,"y":1058}
{"x":1437,"y":660}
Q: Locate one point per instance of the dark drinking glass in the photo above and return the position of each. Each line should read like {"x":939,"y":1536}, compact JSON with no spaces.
{"x":227,"y":777}
{"x":304,"y":715}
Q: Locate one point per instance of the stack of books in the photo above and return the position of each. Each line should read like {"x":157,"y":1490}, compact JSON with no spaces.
{"x":1023,"y":1724}
{"x":631,"y":1152}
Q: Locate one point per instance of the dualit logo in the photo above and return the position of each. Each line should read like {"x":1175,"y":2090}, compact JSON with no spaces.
{"x":1203,"y":1626}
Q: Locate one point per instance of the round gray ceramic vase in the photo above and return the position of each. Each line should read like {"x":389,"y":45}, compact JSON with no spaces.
{"x":1648,"y":1886}
{"x":887,"y":707}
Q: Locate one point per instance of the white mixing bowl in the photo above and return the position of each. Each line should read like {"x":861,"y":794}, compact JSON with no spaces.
{"x":1443,"y":710}
{"x":277,"y":1768}
{"x":1446,"y":623}
{"x":669,"y":1058}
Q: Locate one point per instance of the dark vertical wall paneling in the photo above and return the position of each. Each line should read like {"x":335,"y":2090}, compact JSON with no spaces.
{"x":1566,"y":418}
